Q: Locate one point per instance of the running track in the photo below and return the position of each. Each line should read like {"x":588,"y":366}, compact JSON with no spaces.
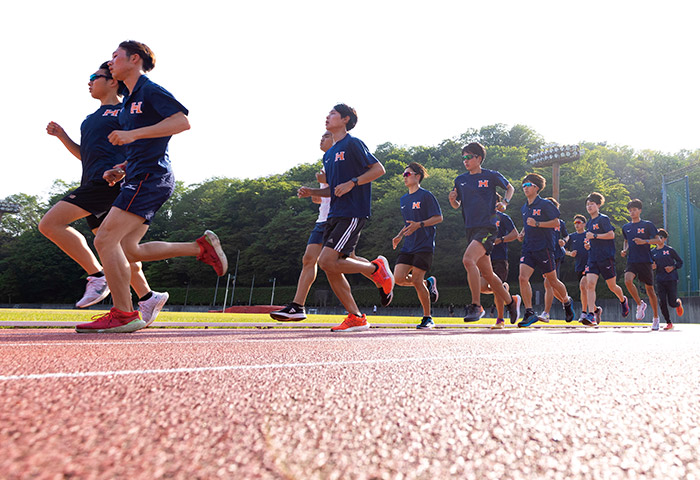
{"x":389,"y":403}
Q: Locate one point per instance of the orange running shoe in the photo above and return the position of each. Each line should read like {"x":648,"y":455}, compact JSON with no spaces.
{"x":114,"y":321}
{"x":352,"y":323}
{"x":679,"y":308}
{"x":210,"y":252}
{"x":383,"y":276}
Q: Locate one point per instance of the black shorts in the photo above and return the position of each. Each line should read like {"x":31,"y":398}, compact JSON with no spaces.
{"x":95,"y":197}
{"x":144,"y":194}
{"x":580,"y":275}
{"x":343,"y":233}
{"x":422,"y":260}
{"x":604,"y":268}
{"x":643,"y":272}
{"x":484,"y":235}
{"x":541,"y":258}
{"x":500,"y":268}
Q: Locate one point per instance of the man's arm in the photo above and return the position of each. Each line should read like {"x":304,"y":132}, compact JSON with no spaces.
{"x":313,"y":192}
{"x":601,"y":236}
{"x":167,"y":127}
{"x":375,"y":171}
{"x":57,"y":131}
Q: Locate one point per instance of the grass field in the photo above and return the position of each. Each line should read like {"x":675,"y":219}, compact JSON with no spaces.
{"x":34,"y":315}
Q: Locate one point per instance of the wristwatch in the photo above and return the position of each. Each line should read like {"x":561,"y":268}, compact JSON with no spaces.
{"x":595,"y":235}
{"x":354,"y":180}
{"x":422,"y":224}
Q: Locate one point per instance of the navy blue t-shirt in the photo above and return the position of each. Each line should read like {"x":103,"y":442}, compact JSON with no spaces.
{"x":96,"y":153}
{"x":645,"y":230}
{"x":666,"y":257}
{"x":478,"y":196}
{"x":538,"y":238}
{"x":600,"y":249}
{"x":418,"y":207}
{"x":505,"y":225}
{"x":349,"y":158}
{"x":147,"y":105}
{"x":559,"y":233}
{"x":576,"y":244}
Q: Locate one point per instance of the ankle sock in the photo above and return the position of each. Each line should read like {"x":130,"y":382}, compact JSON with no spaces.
{"x":146,"y":297}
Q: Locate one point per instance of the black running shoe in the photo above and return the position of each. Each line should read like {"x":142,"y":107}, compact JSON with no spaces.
{"x":474,"y":313}
{"x":528,"y":319}
{"x":426,"y":323}
{"x":292,"y":312}
{"x":431,"y":283}
{"x":514,"y":308}
{"x":569,"y":310}
{"x":385,"y":299}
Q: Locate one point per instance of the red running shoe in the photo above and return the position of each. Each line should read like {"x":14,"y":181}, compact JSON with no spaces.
{"x":352,"y":323}
{"x":114,"y":321}
{"x":679,"y":308}
{"x":210,"y":252}
{"x":383,"y":276}
{"x":669,"y":326}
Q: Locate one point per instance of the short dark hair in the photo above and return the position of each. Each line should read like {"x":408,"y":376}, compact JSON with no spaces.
{"x":121,"y":89}
{"x":132,"y":47}
{"x":663,"y":233}
{"x":634,"y":203}
{"x":579,"y":217}
{"x":419,"y":169}
{"x":347,"y":111}
{"x":596,"y":197}
{"x":475,"y":148}
{"x":539,"y":181}
{"x":553,"y":200}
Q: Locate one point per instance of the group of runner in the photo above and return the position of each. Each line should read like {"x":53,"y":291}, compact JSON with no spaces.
{"x":125,"y":142}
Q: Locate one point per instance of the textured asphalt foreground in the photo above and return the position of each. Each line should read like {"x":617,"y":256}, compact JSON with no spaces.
{"x":306,"y":404}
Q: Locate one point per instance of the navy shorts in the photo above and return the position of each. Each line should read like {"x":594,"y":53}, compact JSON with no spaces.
{"x":316,"y":237}
{"x":544,"y":259}
{"x":145,"y":194}
{"x":604,"y":268}
{"x":484,"y":235}
{"x":343,"y":233}
{"x":500,"y":268}
{"x":95,"y":197}
{"x":643,"y":271}
{"x":422,"y":260}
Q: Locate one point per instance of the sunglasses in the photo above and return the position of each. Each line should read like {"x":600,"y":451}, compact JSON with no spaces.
{"x":579,"y":222}
{"x":95,"y":76}
{"x":528,"y":184}
{"x":468,"y":157}
{"x":408,"y":174}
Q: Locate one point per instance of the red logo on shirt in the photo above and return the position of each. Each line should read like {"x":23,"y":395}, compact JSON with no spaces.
{"x":136,"y":107}
{"x":498,"y":223}
{"x":640,"y":230}
{"x":111,"y":113}
{"x":665,"y":252}
{"x":596,"y":227}
{"x":537,"y":212}
{"x":340,"y":156}
{"x":483,"y":183}
{"x":416,"y":206}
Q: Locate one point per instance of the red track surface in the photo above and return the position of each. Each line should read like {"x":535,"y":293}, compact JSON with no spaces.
{"x":535,"y":403}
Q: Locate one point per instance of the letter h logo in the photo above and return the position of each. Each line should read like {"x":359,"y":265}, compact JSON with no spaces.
{"x":136,"y":107}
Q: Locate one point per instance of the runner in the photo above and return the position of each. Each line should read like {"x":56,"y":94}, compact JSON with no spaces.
{"x":560,"y":236}
{"x":639,"y":235}
{"x":540,"y":216}
{"x":600,"y":235}
{"x":666,"y":263}
{"x":350,"y":169}
{"x":421,"y":212}
{"x":576,"y":249}
{"x":149,"y":117}
{"x":475,"y":192}
{"x":93,"y":199}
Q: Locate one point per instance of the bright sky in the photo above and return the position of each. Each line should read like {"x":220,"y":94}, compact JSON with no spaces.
{"x":260,"y":77}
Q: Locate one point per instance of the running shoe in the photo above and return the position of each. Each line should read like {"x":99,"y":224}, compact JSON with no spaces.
{"x":679,"y":308}
{"x":383,"y":276}
{"x":292,"y":312}
{"x":114,"y":321}
{"x":96,"y":290}
{"x":385,"y":299}
{"x":641,"y":310}
{"x":582,"y":317}
{"x":474,"y":313}
{"x":625,"y":305}
{"x":514,"y":308}
{"x":655,"y":324}
{"x":210,"y":252}
{"x":431,"y":283}
{"x":569,"y":310}
{"x":589,"y":321}
{"x":528,"y":319}
{"x":669,"y":326}
{"x":426,"y":323}
{"x":598,"y":315}
{"x":543,"y":317}
{"x":352,"y":323}
{"x":499,"y":325}
{"x":150,"y":308}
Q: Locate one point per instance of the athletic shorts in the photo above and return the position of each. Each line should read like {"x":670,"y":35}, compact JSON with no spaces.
{"x":145,"y":194}
{"x":557,"y":263}
{"x":343,"y":233}
{"x":500,"y":268}
{"x":484,"y":235}
{"x":544,"y":259}
{"x":580,"y":275}
{"x":643,"y":271}
{"x":604,"y":268}
{"x":316,"y":237}
{"x":95,"y":197}
{"x":422,"y":260}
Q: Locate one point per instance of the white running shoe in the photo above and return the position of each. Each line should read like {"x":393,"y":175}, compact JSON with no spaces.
{"x":151,"y":308}
{"x":96,"y":290}
{"x":641,"y":310}
{"x":655,"y":324}
{"x":582,"y":317}
{"x":543,"y":317}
